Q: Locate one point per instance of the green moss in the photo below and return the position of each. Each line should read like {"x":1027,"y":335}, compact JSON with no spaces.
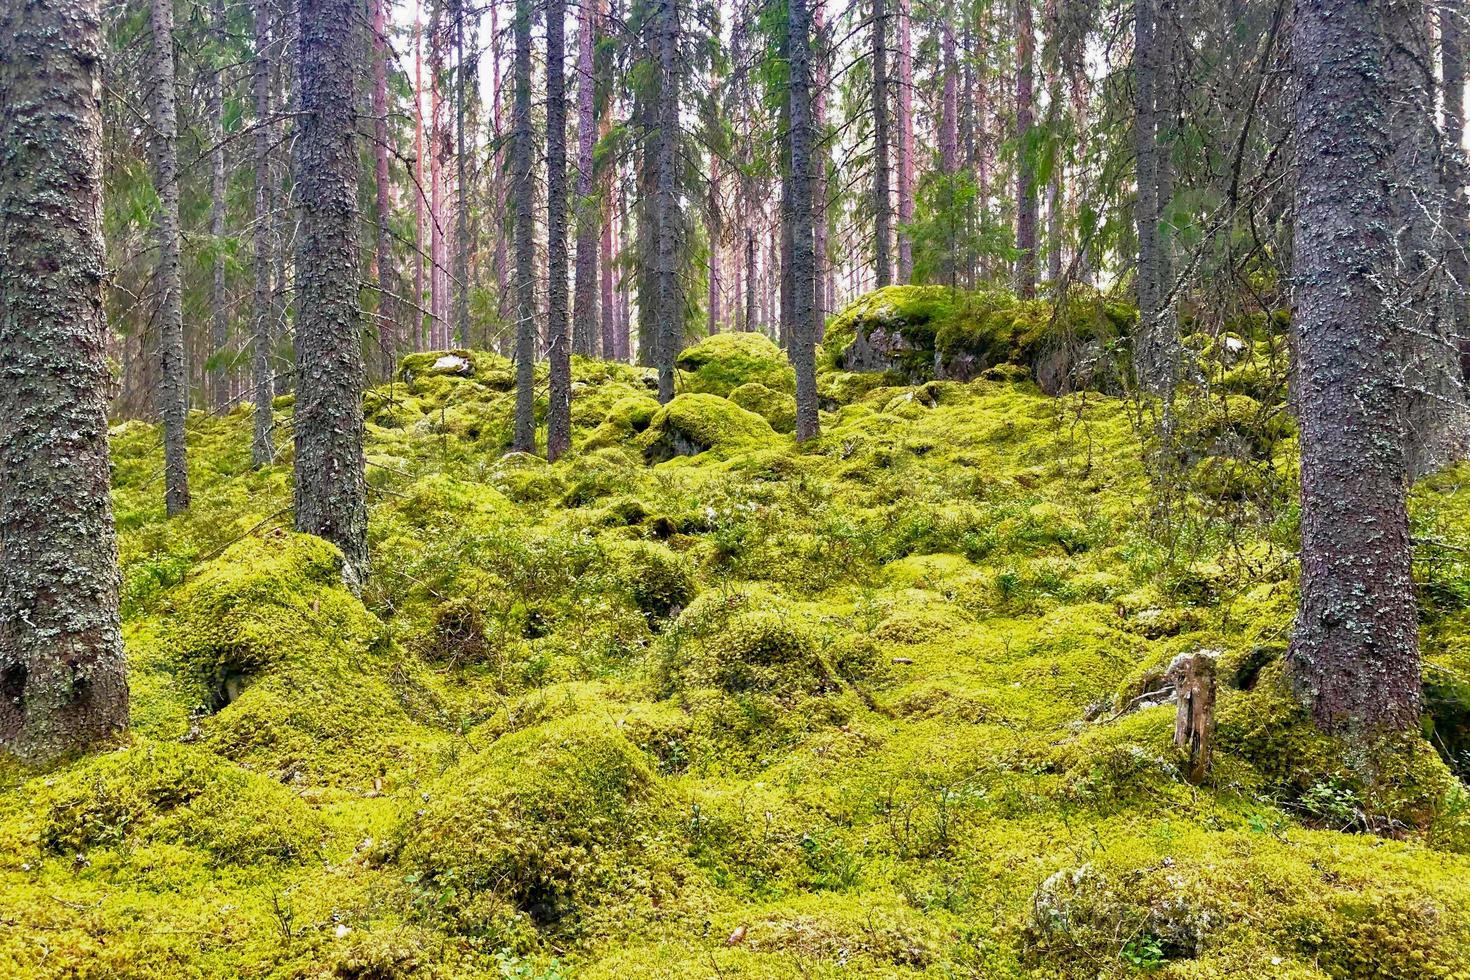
{"x":157,"y":792}
{"x":694,"y":424}
{"x":718,"y":365}
{"x":658,"y":580}
{"x":777,"y":408}
{"x":539,"y":827}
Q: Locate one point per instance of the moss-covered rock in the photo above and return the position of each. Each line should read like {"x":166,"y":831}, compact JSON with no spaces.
{"x":776,"y":407}
{"x":694,"y":424}
{"x":719,"y":364}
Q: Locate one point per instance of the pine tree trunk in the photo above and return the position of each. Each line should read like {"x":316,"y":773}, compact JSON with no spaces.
{"x":1354,"y":656}
{"x":819,"y":164}
{"x":584,"y":304}
{"x":1155,"y":355}
{"x":63,"y":684}
{"x":668,"y":305}
{"x":420,"y":189}
{"x":173,"y":389}
{"x":803,"y":273}
{"x":523,"y":193}
{"x":559,"y":351}
{"x":387,"y":311}
{"x":331,"y":491}
{"x":219,"y":334}
{"x":610,"y":347}
{"x":1457,"y":223}
{"x":905,"y":120}
{"x":262,"y":446}
{"x":949,"y":144}
{"x":882,"y":268}
{"x":1025,"y":166}
{"x":712,"y":307}
{"x":461,"y":187}
{"x":1425,"y":292}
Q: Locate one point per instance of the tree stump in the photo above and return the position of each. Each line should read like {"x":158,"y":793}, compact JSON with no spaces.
{"x":1193,"y":678}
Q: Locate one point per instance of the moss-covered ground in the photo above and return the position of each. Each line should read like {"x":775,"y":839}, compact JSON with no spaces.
{"x":852,"y":709}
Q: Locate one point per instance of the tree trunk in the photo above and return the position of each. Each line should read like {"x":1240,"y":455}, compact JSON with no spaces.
{"x":331,"y":490}
{"x":63,"y":684}
{"x":667,"y":302}
{"x":263,"y":303}
{"x":1424,"y":290}
{"x":1156,"y":350}
{"x":559,"y":352}
{"x":461,"y":186}
{"x":949,"y":145}
{"x":1457,"y":223}
{"x":173,"y":388}
{"x":716,"y":231}
{"x":819,"y":164}
{"x":905,"y":143}
{"x":1025,"y":165}
{"x":584,"y":305}
{"x":219,"y":334}
{"x":803,"y":272}
{"x":387,"y":314}
{"x":882,"y":269}
{"x":419,"y":189}
{"x":610,"y":347}
{"x":1354,"y":655}
{"x":523,"y":192}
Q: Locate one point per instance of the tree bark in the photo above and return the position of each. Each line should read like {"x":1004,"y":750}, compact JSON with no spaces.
{"x":461,"y":185}
{"x":387,"y":312}
{"x":63,"y":684}
{"x":219,"y":334}
{"x":949,"y":144}
{"x":559,"y":352}
{"x":1025,"y":165}
{"x":584,"y":304}
{"x":419,"y":189}
{"x":1354,"y":655}
{"x":523,"y":191}
{"x":716,"y":232}
{"x":331,"y":490}
{"x":803,"y":273}
{"x":1156,"y":349}
{"x":819,"y":164}
{"x":1425,"y":292}
{"x":263,"y":303}
{"x":905,"y":121}
{"x":882,"y":268}
{"x":610,"y":347}
{"x":1457,"y":224}
{"x":668,"y":304}
{"x":173,"y":389}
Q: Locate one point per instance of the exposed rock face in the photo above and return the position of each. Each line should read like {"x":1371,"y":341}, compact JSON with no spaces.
{"x":877,"y":348}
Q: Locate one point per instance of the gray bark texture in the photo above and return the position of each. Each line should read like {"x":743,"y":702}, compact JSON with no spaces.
{"x":1025,"y":167}
{"x":1354,"y":655}
{"x":588,"y":209}
{"x":63,"y":681}
{"x":1457,"y":223}
{"x":1156,"y":349}
{"x":1423,"y":292}
{"x":219,"y":332}
{"x":331,"y":489}
{"x":801,"y":332}
{"x":523,"y":193}
{"x":172,"y":393}
{"x":882,"y":207}
{"x":559,"y":346}
{"x":387,"y":283}
{"x":668,"y":299}
{"x":263,"y":303}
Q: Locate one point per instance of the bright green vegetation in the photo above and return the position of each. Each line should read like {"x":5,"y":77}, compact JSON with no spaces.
{"x":862,"y":698}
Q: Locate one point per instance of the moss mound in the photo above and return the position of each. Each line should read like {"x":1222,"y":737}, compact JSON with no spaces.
{"x":161,"y":793}
{"x":694,"y":424}
{"x":718,"y":365}
{"x":776,"y":407}
{"x":540,"y":827}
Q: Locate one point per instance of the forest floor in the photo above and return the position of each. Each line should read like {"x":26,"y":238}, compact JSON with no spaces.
{"x":852,"y":709}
